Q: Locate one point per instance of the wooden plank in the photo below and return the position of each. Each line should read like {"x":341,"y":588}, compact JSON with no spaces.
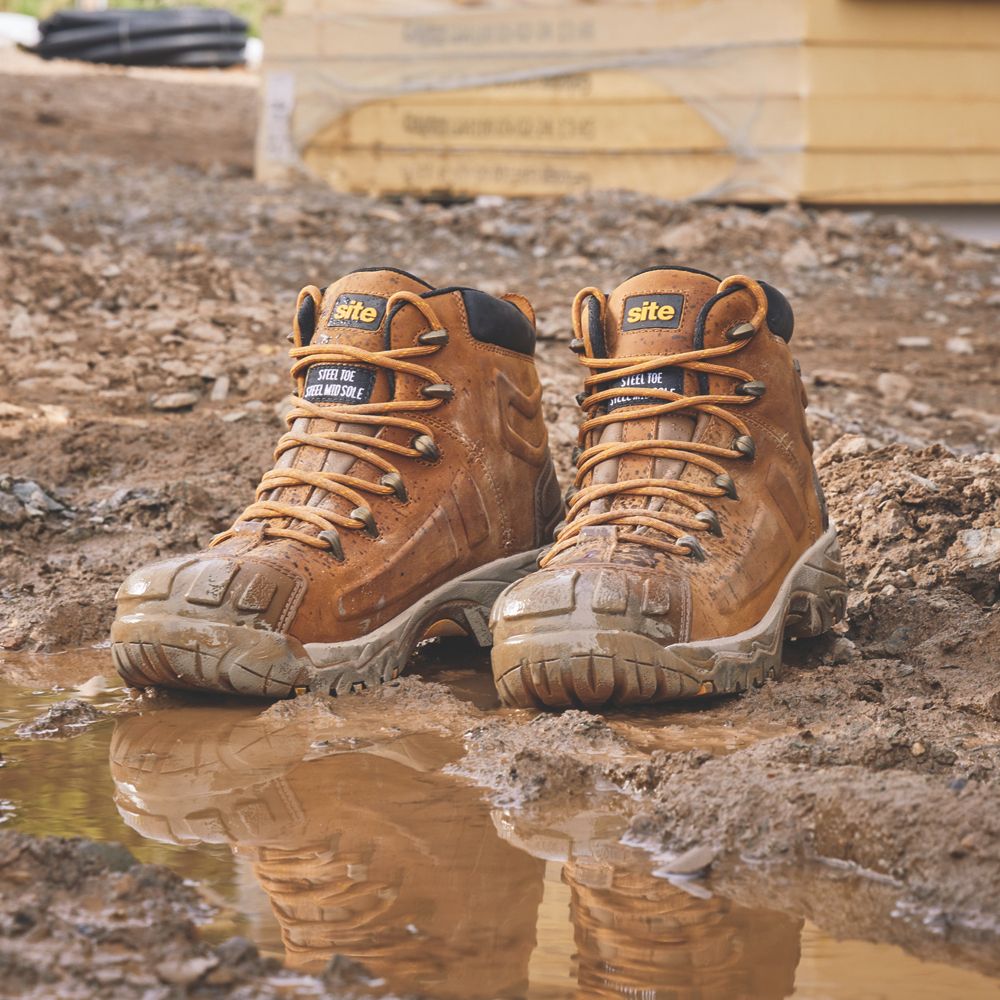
{"x":662,"y":123}
{"x":881,"y":178}
{"x":468,"y":173}
{"x":940,"y":73}
{"x":408,"y":27}
{"x":901,"y":178}
{"x":436,"y":122}
{"x":633,"y":30}
{"x":908,"y":23}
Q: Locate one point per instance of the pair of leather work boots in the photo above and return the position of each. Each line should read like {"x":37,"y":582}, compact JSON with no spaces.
{"x":414,"y":495}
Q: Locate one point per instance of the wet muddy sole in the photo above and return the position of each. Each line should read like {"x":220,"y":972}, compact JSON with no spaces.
{"x":554,"y":663}
{"x":153,"y":649}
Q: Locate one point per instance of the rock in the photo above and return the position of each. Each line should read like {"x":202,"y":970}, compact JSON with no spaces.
{"x":345,"y":977}
{"x":989,"y":420}
{"x":220,"y":390}
{"x":846,"y":446}
{"x":207,"y":332}
{"x":842,"y":650}
{"x":55,"y":414}
{"x":894,"y":388}
{"x":12,"y":513}
{"x":691,"y":863}
{"x":237,"y":951}
{"x":684,"y":239}
{"x":977,"y":547}
{"x":958,"y":345}
{"x":108,"y":854}
{"x":184,"y":972}
{"x":162,"y":325}
{"x":36,"y":501}
{"x":175,"y":401}
{"x":22,"y":326}
{"x":914,"y":343}
{"x":918,"y":408}
{"x":832,"y":376}
{"x":800,"y":256}
{"x":52,"y":243}
{"x":65,"y":718}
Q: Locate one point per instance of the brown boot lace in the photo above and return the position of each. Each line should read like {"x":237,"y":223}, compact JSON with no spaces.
{"x":361,"y":446}
{"x":592,"y":453}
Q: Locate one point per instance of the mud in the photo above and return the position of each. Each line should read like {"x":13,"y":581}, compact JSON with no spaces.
{"x":62,"y":719}
{"x":82,"y":919}
{"x":140,"y":392}
{"x":433,"y":890}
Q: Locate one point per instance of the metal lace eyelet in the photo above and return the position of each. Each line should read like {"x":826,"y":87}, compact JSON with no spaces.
{"x":439,"y":390}
{"x":434,"y":337}
{"x":756,"y":388}
{"x":741,"y":332}
{"x":745,"y":445}
{"x":726,"y":484}
{"x":367,"y":518}
{"x":395,"y":482}
{"x":580,"y":397}
{"x":333,"y":543}
{"x":425,"y":446}
{"x":577,"y":452}
{"x":577,"y":346}
{"x":695,"y":551}
{"x":710,"y":518}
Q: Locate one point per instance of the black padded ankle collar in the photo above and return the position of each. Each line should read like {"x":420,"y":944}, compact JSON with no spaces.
{"x":493,"y":320}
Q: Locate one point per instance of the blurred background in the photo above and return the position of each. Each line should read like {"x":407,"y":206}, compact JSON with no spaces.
{"x":845,"y":102}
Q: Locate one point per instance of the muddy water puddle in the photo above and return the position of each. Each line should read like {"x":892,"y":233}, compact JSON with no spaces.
{"x":338,"y":830}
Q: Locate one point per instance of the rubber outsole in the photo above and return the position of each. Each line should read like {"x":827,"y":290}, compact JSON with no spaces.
{"x":160,"y":649}
{"x":553,"y":668}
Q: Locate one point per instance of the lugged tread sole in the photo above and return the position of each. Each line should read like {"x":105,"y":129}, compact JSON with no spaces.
{"x":168,"y":650}
{"x":596,"y":668}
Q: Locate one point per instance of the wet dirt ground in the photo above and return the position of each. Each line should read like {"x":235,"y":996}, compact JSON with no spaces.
{"x":836,"y":833}
{"x":325,"y":827}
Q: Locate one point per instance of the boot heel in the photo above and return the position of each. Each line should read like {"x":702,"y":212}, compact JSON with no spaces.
{"x":819,"y":599}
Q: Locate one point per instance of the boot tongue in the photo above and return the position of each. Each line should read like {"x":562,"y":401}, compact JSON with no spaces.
{"x":655,"y":313}
{"x":353,"y":312}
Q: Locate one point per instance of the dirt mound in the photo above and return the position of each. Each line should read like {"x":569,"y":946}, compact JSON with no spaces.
{"x":926,"y":519}
{"x":81,"y":919}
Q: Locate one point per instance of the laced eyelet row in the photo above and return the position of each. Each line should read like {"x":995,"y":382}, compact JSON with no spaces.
{"x":280,"y":517}
{"x":646,"y":525}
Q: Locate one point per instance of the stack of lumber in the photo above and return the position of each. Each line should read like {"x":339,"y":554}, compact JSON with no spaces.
{"x":816,"y":100}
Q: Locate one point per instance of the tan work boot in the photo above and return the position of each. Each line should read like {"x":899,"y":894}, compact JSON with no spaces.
{"x":413,"y":485}
{"x":697,"y":535}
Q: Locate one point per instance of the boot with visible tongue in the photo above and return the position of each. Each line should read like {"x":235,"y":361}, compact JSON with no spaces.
{"x":351,"y":312}
{"x":653,"y":313}
{"x":414,"y":483}
{"x":696,"y":533}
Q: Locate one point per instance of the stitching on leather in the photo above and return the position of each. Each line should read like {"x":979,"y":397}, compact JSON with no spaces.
{"x":803,"y":475}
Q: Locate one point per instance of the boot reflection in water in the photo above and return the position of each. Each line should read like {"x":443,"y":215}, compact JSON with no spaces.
{"x":366,"y":854}
{"x":641,"y":936}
